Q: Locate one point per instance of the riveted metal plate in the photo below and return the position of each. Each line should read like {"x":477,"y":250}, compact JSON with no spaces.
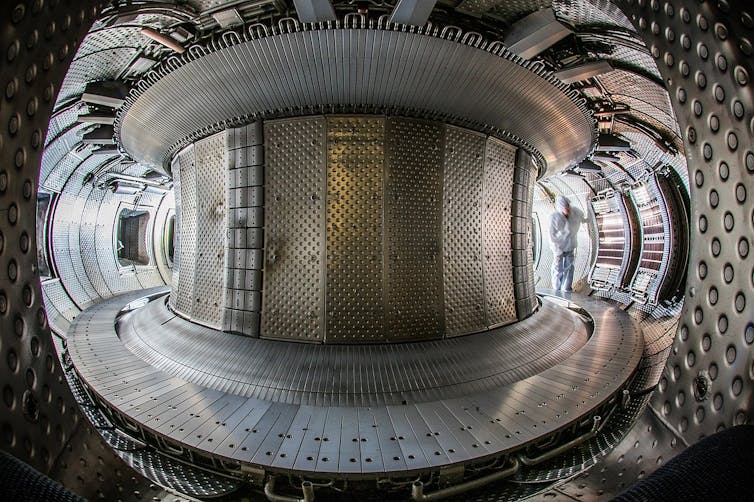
{"x":295,"y":191}
{"x":209,"y":288}
{"x":243,"y":264}
{"x":187,"y":230}
{"x":499,"y":166}
{"x":413,"y":229}
{"x":462,"y":232}
{"x":355,"y":163}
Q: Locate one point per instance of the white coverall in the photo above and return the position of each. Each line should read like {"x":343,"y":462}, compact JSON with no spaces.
{"x":563,"y":241}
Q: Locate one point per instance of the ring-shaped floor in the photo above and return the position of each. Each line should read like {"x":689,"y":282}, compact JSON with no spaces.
{"x":287,"y":430}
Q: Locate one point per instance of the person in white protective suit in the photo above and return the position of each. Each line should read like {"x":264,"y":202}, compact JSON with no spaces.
{"x":564,"y":226}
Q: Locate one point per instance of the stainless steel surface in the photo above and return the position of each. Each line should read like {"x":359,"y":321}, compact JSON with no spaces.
{"x":276,"y":432}
{"x":535,"y":33}
{"x":187,"y":205}
{"x":463,"y":272}
{"x":382,"y":69}
{"x":293,"y":302}
{"x":413,"y":229}
{"x":348,"y":374}
{"x":245,"y":224}
{"x":355,"y":207}
{"x":723,"y":29}
{"x":208,"y":293}
{"x":499,"y":164}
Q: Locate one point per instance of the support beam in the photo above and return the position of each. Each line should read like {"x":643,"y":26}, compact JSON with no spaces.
{"x":587,"y":166}
{"x":584,"y":71}
{"x":102,"y":135}
{"x":97,"y":118}
{"x":535,"y":33}
{"x":105,"y":93}
{"x":314,"y":11}
{"x":412,"y":12}
{"x":612,"y":143}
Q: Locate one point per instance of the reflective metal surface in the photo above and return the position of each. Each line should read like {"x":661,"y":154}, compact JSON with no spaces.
{"x":283,"y":429}
{"x":382,"y":69}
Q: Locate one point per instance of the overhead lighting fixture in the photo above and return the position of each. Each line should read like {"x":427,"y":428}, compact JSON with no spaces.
{"x":412,"y":12}
{"x":535,"y":33}
{"x":165,"y":40}
{"x":583,"y":72}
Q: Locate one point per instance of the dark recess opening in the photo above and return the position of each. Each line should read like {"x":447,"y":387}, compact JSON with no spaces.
{"x":132,"y":237}
{"x":170,"y":239}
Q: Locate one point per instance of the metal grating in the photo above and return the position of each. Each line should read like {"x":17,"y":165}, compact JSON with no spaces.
{"x":465,"y":307}
{"x":210,"y":242}
{"x":496,"y":231}
{"x":295,"y":194}
{"x":413,"y":229}
{"x":355,"y":163}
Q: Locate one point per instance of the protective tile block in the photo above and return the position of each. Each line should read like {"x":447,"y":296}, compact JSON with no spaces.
{"x":413,"y":229}
{"x":295,"y":191}
{"x":462,"y":232}
{"x":355,"y":163}
{"x":211,"y":207}
{"x":496,"y":232}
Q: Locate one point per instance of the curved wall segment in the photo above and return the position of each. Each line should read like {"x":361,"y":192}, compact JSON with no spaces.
{"x":353,"y":228}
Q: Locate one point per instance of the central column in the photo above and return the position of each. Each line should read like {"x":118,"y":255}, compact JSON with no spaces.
{"x":348,"y":229}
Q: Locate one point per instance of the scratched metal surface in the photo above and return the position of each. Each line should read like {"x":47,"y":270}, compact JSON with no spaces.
{"x":350,"y":437}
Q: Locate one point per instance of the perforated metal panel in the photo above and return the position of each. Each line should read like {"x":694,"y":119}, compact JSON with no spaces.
{"x":499,"y":165}
{"x":465,"y":306}
{"x":187,"y":231}
{"x":211,"y":178}
{"x":413,"y":229}
{"x":355,"y":163}
{"x":295,"y":191}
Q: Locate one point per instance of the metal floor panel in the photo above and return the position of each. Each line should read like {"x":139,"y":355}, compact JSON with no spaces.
{"x":354,"y":411}
{"x":347,"y":374}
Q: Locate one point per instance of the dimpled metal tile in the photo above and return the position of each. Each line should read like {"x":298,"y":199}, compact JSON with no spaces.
{"x":187,"y":230}
{"x":496,"y":232}
{"x":355,"y":163}
{"x":293,"y":298}
{"x":175,"y":168}
{"x":413,"y":229}
{"x":209,"y":288}
{"x":462,"y":232}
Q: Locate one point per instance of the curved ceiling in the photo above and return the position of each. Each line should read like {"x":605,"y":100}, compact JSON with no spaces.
{"x":363,"y":69}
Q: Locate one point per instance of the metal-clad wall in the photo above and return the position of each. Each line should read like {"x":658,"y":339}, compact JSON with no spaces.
{"x":411,"y":207}
{"x":183,"y":286}
{"x":175,"y":168}
{"x":496,"y":232}
{"x":465,"y":306}
{"x":355,"y":287}
{"x":295,"y":191}
{"x":413,"y":229}
{"x":199,"y":283}
{"x":209,"y":279}
{"x":521,"y":234}
{"x":243,"y":264}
